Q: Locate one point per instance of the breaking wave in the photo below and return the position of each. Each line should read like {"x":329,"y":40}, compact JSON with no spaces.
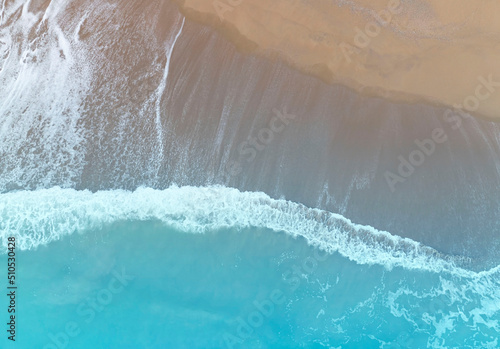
{"x":41,"y":216}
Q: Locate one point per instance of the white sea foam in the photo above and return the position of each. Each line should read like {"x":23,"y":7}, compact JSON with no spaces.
{"x":41,"y":216}
{"x":159,"y":94}
{"x":45,"y":76}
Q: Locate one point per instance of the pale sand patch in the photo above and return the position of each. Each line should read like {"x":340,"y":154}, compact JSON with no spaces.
{"x":433,"y":51}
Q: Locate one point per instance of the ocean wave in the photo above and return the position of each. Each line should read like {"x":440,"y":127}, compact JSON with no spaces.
{"x":39,"y":217}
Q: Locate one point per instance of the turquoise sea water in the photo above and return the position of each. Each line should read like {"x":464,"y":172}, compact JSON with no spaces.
{"x":216,"y":268}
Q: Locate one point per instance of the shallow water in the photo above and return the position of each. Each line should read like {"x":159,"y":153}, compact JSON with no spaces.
{"x":214,"y":267}
{"x":241,"y":288}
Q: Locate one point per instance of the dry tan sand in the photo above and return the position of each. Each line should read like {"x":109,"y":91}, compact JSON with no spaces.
{"x":442,"y":52}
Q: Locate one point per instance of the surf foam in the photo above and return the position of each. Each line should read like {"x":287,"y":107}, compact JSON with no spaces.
{"x":39,"y":217}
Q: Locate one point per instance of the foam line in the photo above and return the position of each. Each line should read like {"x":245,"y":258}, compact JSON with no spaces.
{"x":160,"y":90}
{"x":39,"y":217}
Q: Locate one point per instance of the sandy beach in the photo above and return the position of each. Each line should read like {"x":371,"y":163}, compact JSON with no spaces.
{"x":439,"y":52}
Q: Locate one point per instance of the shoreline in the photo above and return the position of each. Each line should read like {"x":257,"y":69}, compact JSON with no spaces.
{"x":392,"y":66}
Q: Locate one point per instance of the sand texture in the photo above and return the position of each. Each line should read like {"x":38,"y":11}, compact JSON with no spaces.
{"x":441,"y":52}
